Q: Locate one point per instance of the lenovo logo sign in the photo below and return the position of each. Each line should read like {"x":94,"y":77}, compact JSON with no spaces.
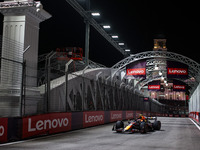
{"x":115,"y":115}
{"x":129,"y":114}
{"x":136,"y":71}
{"x":47,"y":123}
{"x":154,"y":87}
{"x":177,"y":71}
{"x":93,"y":118}
{"x":179,"y":87}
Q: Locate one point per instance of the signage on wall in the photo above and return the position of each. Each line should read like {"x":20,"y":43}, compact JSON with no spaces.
{"x":176,"y":70}
{"x":47,"y":123}
{"x":154,"y":86}
{"x":136,"y":69}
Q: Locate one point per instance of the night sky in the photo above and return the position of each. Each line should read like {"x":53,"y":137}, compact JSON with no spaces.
{"x":136,"y":22}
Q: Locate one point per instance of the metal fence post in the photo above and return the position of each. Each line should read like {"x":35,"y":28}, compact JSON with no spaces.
{"x":66,"y":82}
{"x":22,"y":94}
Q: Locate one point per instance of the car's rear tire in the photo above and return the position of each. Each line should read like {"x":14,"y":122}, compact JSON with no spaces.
{"x":157,"y":125}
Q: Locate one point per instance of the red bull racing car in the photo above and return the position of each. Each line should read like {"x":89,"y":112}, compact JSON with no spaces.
{"x":138,"y":125}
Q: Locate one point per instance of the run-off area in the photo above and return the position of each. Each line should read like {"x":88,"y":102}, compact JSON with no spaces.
{"x":175,"y":133}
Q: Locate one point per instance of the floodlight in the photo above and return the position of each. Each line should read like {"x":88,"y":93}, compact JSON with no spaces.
{"x":115,"y":36}
{"x":127,"y":50}
{"x":106,"y":27}
{"x":95,"y":14}
{"x":121,"y":44}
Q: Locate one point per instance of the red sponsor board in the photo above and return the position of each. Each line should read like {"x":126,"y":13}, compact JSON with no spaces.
{"x":93,"y":118}
{"x":115,"y":116}
{"x":192,"y":115}
{"x":136,"y":71}
{"x":177,"y":71}
{"x":154,"y":87}
{"x":48,"y":123}
{"x":179,"y":87}
{"x":129,"y":115}
{"x":3,"y":129}
{"x":197,"y":117}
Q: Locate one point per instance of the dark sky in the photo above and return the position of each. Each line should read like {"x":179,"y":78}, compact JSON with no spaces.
{"x":137,"y":22}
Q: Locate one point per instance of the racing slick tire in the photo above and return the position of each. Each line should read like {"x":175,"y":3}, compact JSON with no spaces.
{"x":143,"y":128}
{"x":119,"y":124}
{"x":157,"y":125}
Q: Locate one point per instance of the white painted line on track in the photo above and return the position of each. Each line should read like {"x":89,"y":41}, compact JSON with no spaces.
{"x":195,"y":124}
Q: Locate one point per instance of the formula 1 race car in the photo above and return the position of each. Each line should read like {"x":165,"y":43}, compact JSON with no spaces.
{"x":138,"y":125}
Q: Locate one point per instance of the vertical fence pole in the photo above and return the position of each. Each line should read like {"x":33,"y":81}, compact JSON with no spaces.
{"x":66,"y":82}
{"x":66,"y":90}
{"x":23,"y":88}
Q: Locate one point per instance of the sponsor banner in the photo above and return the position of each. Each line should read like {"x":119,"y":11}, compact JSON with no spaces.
{"x":60,"y":122}
{"x":197,"y":116}
{"x":3,"y":129}
{"x":46,"y":124}
{"x":154,"y":86}
{"x":178,"y":86}
{"x":192,"y":115}
{"x":129,"y":115}
{"x":136,"y":69}
{"x":93,"y":118}
{"x":136,"y":72}
{"x":115,"y":116}
{"x":177,"y":70}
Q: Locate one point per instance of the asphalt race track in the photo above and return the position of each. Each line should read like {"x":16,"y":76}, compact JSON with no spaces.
{"x":175,"y":134}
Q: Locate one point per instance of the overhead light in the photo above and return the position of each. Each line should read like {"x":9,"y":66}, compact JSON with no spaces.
{"x":95,"y":14}
{"x":127,"y":50}
{"x":115,"y":36}
{"x":162,"y":78}
{"x":121,"y":44}
{"x":106,"y":27}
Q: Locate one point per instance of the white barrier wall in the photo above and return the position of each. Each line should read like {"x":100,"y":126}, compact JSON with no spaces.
{"x":194,"y":104}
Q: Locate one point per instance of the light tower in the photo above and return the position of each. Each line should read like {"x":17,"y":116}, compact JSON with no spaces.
{"x":20,"y":33}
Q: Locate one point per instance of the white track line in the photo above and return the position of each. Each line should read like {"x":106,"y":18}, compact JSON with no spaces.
{"x":195,"y":124}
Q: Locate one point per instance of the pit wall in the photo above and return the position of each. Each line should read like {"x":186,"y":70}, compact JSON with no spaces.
{"x":13,"y":129}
